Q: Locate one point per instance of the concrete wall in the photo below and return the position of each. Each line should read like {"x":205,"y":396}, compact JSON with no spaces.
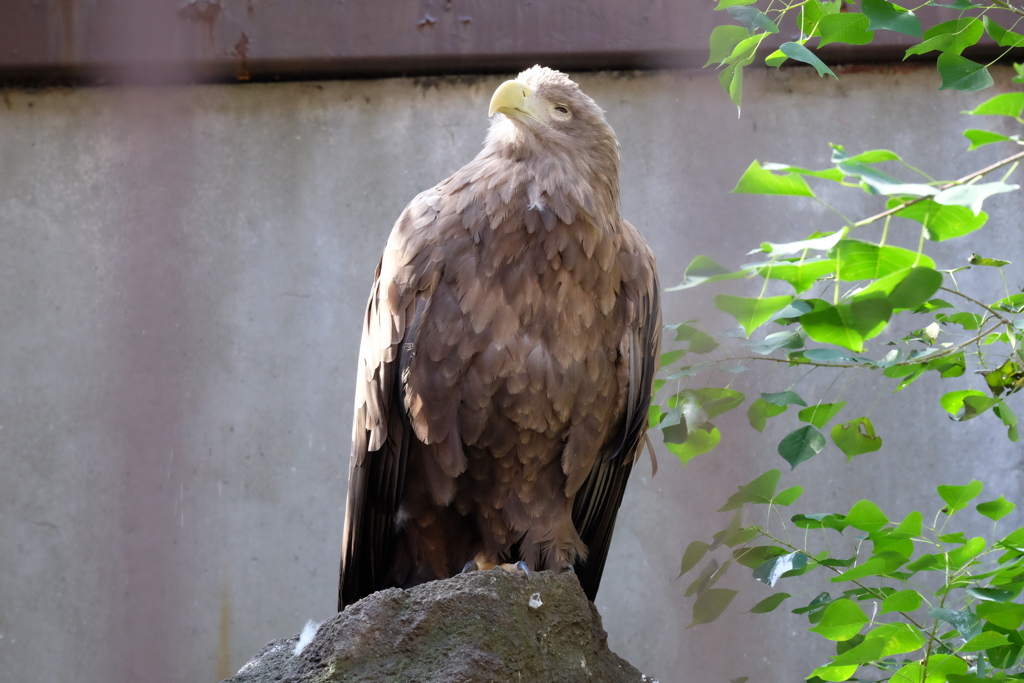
{"x":183,"y":272}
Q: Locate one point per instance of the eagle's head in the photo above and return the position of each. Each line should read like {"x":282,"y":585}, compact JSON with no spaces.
{"x":545,"y":118}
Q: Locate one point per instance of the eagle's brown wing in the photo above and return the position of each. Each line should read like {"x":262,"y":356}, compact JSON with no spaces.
{"x":597,"y":502}
{"x":381,"y":433}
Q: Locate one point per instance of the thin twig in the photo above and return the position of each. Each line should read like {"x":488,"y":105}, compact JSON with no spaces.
{"x":961,"y":181}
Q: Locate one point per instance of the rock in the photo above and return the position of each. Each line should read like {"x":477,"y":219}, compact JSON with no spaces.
{"x":474,"y":628}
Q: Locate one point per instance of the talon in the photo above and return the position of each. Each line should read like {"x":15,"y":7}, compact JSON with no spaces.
{"x":570,"y":568}
{"x":469,"y":567}
{"x":521,"y":566}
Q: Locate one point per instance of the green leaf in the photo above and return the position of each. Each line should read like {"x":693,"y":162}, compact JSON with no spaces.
{"x":818,"y":241}
{"x":826,"y":356}
{"x":788,"y":496}
{"x":911,"y":524}
{"x":850,"y":28}
{"x":1008,"y":104}
{"x":753,"y":19}
{"x":940,"y":669}
{"x":759,"y":412}
{"x":926,"y":562}
{"x":731,"y":78}
{"x":877,"y":565}
{"x":713,"y":400}
{"x":751,"y":313}
{"x":698,"y":442}
{"x":784,"y":398}
{"x":812,"y":13}
{"x":991,"y":594}
{"x":693,"y":554}
{"x":980,"y":138}
{"x":786,"y":339}
{"x":967,"y":404}
{"x":723,"y":40}
{"x":772,"y":570}
{"x":757,"y":180}
{"x":756,"y":556}
{"x":996,"y":509}
{"x":769,"y":603}
{"x":874,"y":181}
{"x":905,"y":289}
{"x":957,"y":497}
{"x":700,"y":342}
{"x":941,"y":222}
{"x":760,"y":491}
{"x":833,"y":174}
{"x":868,"y":650}
{"x":866,"y":516}
{"x":968,"y":321}
{"x":1006,"y":615}
{"x":984,"y":641}
{"x":802,"y":54}
{"x":860,"y":260}
{"x":801,"y":275}
{"x":966,"y":623}
{"x":999,"y":34}
{"x":820,"y":521}
{"x":710,"y":605}
{"x":976,"y":260}
{"x":972,"y":196}
{"x":703,"y":269}
{"x":831,"y":672}
{"x":856,"y":437}
{"x":800,"y":445}
{"x":960,"y":73}
{"x":775,"y":59}
{"x":955,"y":559}
{"x":676,"y":433}
{"x":707,"y":577}
{"x":670,"y":357}
{"x":886,"y":15}
{"x":821,"y":414}
{"x":951,"y":36}
{"x":901,"y":601}
{"x":848,"y":325}
{"x":897,"y":638}
{"x":843,"y":619}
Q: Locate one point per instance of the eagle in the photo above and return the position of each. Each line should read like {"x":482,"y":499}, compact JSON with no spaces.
{"x":507,"y":358}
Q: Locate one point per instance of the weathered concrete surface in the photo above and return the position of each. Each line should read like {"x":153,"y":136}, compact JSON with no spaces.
{"x":183,"y":272}
{"x":483,"y":627}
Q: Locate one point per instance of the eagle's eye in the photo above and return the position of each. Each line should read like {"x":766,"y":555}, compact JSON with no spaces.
{"x":561,"y":111}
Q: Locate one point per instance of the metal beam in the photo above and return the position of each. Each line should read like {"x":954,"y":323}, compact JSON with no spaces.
{"x":158,"y":41}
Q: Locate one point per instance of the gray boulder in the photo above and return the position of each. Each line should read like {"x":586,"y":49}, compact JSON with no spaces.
{"x":474,"y":628}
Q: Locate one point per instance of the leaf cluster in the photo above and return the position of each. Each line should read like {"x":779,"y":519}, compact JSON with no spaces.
{"x":845,"y":290}
{"x":735,"y":45}
{"x":913,"y":602}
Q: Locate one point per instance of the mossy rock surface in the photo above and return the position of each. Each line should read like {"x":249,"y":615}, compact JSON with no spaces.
{"x":474,"y":628}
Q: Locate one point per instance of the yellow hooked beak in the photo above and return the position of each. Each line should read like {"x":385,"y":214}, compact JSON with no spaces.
{"x":510,"y":99}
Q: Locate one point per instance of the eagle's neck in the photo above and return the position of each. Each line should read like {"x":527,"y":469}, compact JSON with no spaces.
{"x":586,"y":180}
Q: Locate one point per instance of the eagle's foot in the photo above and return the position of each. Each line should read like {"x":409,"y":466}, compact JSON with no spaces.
{"x":469,"y":567}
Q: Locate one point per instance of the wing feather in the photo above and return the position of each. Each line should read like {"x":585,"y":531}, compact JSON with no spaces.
{"x":597,"y":502}
{"x":381,"y":431}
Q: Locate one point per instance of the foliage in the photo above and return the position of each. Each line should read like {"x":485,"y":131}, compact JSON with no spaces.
{"x":916,"y":603}
{"x":734,"y":47}
{"x":919,"y":604}
{"x":846,"y":290}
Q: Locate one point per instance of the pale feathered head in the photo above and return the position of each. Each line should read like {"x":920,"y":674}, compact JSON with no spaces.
{"x":545,"y":114}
